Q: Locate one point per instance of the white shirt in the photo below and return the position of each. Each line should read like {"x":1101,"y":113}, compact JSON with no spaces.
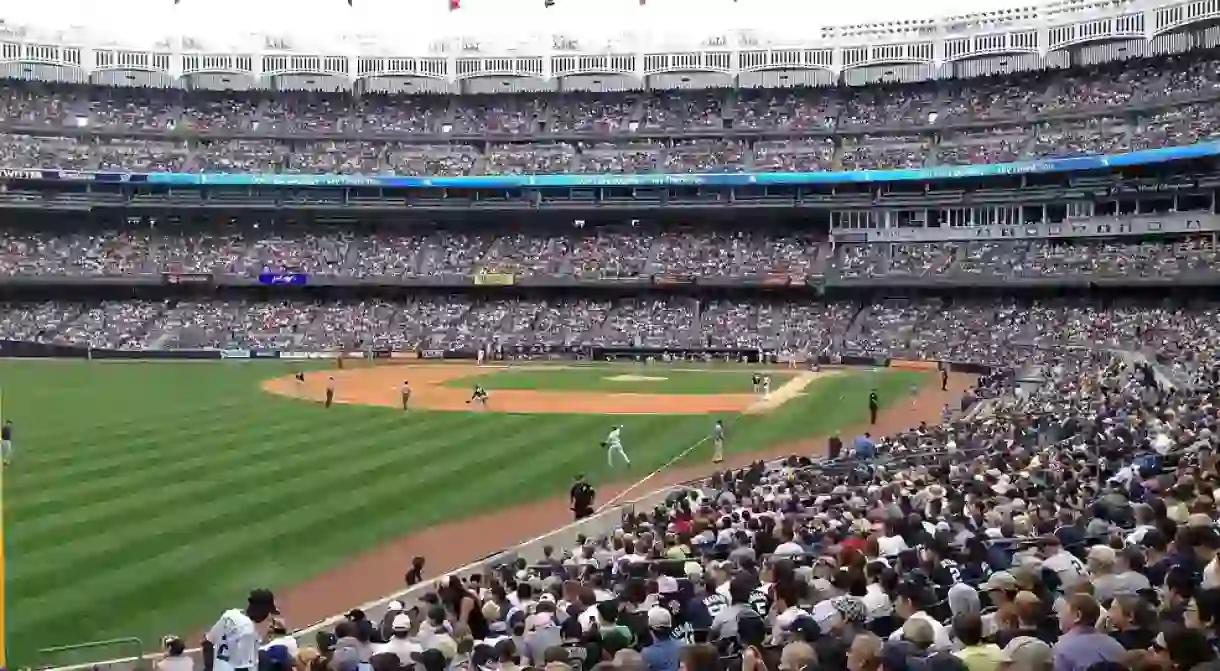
{"x":613,"y":439}
{"x":940,"y":637}
{"x":183,"y":663}
{"x":891,"y":546}
{"x":235,"y":640}
{"x":403,"y":647}
{"x":1066,"y":566}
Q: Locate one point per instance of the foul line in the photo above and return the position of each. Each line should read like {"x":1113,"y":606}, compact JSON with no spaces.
{"x":621,"y":495}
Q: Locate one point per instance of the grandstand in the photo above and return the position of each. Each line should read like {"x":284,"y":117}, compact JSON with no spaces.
{"x":1021,"y":197}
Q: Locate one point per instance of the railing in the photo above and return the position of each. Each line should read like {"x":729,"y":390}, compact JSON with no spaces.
{"x":602,"y":523}
{"x":54,"y":657}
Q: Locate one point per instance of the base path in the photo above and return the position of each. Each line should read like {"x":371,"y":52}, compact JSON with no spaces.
{"x":451,"y":545}
{"x":382,"y":385}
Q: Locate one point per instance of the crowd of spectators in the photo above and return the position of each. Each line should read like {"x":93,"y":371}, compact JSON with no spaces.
{"x":1033,"y":259}
{"x":991,"y":332}
{"x":605,"y":252}
{"x":65,"y":127}
{"x":586,"y":253}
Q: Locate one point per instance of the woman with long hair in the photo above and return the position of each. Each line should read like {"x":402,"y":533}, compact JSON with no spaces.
{"x":465,"y":608}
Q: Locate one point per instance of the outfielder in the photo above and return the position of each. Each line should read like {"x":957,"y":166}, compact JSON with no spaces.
{"x":718,"y":442}
{"x":614,"y":445}
{"x":6,"y":441}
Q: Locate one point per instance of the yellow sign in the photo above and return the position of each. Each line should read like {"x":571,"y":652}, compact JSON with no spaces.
{"x":494,"y":279}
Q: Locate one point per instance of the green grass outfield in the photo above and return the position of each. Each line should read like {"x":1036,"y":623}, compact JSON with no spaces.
{"x":146,"y":497}
{"x":613,"y":379}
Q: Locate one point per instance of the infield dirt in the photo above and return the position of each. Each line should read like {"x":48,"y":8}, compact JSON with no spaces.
{"x":451,"y":545}
{"x":383,"y":386}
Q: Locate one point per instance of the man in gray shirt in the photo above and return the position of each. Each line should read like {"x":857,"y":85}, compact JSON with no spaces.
{"x":1112,"y":576}
{"x":724,"y":624}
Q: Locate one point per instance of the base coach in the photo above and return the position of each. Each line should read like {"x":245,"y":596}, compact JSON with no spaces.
{"x":872,"y":407}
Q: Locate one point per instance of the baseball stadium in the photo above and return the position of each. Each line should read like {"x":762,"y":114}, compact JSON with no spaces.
{"x":644,"y":335}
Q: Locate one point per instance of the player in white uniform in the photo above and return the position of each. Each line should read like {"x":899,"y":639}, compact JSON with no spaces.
{"x":232,"y":643}
{"x":766,"y":386}
{"x":614,"y":445}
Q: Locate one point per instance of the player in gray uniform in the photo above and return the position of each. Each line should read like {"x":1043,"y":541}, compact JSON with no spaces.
{"x":718,"y":442}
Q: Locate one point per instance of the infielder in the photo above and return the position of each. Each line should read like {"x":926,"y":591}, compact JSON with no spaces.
{"x":718,"y":442}
{"x":330,"y":391}
{"x":614,"y":445}
{"x":479,"y":397}
{"x":766,"y":386}
{"x":406,"y":394}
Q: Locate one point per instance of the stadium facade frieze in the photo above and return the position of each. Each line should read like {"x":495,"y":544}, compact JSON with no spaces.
{"x":1026,"y":36}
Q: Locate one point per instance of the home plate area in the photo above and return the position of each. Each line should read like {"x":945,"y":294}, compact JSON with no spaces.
{"x":550,"y":389}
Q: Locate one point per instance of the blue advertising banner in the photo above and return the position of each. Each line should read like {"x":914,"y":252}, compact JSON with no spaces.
{"x":283,"y":278}
{"x":1048,"y":165}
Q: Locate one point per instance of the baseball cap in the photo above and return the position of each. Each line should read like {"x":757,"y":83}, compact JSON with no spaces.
{"x":401,"y":622}
{"x":1027,"y":651}
{"x":659,"y":618}
{"x":263,"y":598}
{"x":395,"y":605}
{"x":326,"y":640}
{"x":1000,"y":581}
{"x":667,"y":585}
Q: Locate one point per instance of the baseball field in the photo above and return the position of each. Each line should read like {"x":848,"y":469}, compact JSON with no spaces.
{"x":144,"y":498}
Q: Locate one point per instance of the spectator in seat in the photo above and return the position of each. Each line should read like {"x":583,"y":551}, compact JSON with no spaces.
{"x":1081,"y":645}
{"x":665,"y":652}
{"x":976,"y":654}
{"x":175,"y":658}
{"x":400,"y":642}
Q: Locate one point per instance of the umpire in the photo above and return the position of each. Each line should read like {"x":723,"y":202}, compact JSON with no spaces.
{"x":872,"y":407}
{"x":582,"y":496}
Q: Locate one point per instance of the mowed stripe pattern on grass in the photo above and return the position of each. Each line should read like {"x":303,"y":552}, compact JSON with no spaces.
{"x":146,"y":497}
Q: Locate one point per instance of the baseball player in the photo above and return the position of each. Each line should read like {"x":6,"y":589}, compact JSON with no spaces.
{"x":330,"y":391}
{"x":479,"y":397}
{"x":614,"y":445}
{"x":914,"y":395}
{"x":6,"y":441}
{"x":481,"y":355}
{"x":406,"y":394}
{"x":718,"y":442}
{"x":756,"y":383}
{"x":766,"y":386}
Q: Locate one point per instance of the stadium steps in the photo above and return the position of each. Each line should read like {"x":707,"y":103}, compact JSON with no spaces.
{"x":837,"y":158}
